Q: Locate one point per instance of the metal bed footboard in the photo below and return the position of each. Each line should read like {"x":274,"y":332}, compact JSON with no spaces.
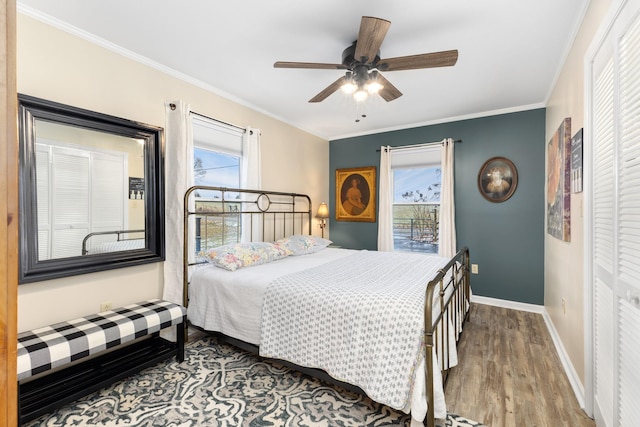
{"x":452,"y":286}
{"x":118,"y":234}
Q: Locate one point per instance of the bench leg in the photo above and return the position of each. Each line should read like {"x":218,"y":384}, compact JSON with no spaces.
{"x":180,"y":335}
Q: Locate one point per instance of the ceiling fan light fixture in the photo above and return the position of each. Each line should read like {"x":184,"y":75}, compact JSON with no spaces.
{"x":349,"y":85}
{"x":373,"y":85}
{"x":374,"y":88}
{"x":360,"y":95}
{"x":349,"y":88}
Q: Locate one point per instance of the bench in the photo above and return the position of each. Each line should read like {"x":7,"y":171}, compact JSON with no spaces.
{"x":54,"y":367}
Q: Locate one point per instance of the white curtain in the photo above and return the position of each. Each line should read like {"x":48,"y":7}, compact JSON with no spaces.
{"x":179,"y":177}
{"x":251,"y":178}
{"x":447,"y":233}
{"x":251,"y":170}
{"x":385,"y":213}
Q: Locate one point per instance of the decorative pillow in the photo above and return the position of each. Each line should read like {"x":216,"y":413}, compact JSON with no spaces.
{"x":238,"y":255}
{"x":301,"y":245}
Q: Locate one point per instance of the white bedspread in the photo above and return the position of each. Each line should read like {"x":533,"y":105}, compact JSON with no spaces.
{"x":232,"y":303}
{"x":359,"y":318}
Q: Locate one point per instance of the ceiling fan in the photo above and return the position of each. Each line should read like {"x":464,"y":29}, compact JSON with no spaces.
{"x":363,"y":64}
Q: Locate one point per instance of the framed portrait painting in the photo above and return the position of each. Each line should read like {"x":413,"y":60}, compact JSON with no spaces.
{"x":356,"y":194}
{"x":497,"y":179}
{"x":559,"y":182}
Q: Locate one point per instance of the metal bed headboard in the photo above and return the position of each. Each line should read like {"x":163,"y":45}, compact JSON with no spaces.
{"x":216,"y":216}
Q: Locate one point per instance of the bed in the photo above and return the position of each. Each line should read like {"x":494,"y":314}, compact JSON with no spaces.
{"x":254,"y":274}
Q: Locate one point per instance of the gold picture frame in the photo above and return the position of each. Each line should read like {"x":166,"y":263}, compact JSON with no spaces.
{"x":356,"y":194}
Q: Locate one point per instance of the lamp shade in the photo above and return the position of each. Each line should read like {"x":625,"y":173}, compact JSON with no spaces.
{"x":323,"y":211}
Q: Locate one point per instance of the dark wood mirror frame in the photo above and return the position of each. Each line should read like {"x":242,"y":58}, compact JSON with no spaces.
{"x":31,"y":268}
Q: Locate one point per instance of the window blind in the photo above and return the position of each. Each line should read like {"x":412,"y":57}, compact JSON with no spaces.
{"x":216,"y":136}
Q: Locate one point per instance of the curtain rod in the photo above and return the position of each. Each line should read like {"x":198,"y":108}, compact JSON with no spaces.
{"x":401,"y":147}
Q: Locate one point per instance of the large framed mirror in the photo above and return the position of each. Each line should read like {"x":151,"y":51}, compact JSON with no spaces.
{"x":91,"y":191}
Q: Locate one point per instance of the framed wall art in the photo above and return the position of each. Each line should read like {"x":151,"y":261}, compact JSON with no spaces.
{"x":559,"y":182}
{"x":576,"y":162}
{"x":356,"y":194}
{"x":497,"y":179}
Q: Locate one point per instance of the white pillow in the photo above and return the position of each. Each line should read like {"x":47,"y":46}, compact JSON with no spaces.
{"x":238,"y":255}
{"x":300,"y":245}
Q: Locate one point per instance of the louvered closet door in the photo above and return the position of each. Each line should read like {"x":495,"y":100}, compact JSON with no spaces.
{"x":70,"y":201}
{"x":43,"y":178}
{"x":615,"y":221}
{"x":108,"y":196}
{"x":603,"y":232}
{"x":628,"y":286}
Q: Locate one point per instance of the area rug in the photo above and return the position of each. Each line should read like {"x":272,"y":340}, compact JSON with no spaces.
{"x":220,"y":385}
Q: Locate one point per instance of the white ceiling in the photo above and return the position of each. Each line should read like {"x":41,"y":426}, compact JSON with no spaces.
{"x":509,"y":52}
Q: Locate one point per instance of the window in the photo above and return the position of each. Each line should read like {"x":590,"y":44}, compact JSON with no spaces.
{"x":217,"y":155}
{"x":416,"y":199}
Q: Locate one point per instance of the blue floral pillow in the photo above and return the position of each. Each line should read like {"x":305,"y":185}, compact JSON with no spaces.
{"x":238,"y":255}
{"x":301,"y":245}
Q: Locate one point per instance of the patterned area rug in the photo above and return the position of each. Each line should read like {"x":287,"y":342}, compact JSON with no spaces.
{"x":219,"y":385}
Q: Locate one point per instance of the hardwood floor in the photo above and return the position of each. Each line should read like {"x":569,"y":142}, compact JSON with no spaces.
{"x":510,"y":374}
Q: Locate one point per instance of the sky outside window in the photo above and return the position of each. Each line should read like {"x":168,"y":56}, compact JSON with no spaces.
{"x":216,"y":169}
{"x":416,"y":180}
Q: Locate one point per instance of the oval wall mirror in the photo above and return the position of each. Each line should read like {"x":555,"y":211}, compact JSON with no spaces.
{"x":91,"y":191}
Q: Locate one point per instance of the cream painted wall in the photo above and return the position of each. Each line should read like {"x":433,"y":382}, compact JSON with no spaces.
{"x":55,"y":65}
{"x":564,"y":261}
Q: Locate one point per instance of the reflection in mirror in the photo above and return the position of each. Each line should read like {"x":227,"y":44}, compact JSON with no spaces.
{"x":91,"y":191}
{"x":83,"y":189}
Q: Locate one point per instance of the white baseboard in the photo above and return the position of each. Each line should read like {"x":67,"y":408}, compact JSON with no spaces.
{"x":572,"y":375}
{"x":569,"y":370}
{"x":522,"y":306}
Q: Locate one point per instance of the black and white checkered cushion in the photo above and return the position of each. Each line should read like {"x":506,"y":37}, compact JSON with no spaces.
{"x":55,"y":345}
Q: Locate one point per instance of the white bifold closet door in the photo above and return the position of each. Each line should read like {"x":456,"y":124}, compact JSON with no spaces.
{"x":615,"y":219}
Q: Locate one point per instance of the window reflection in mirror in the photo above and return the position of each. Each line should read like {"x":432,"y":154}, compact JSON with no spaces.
{"x":91,"y":191}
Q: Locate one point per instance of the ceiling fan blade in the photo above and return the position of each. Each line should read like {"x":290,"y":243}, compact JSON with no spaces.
{"x":372,"y":33}
{"x":310,"y":65}
{"x":388,"y":92}
{"x":445,"y":58}
{"x":328,"y":90}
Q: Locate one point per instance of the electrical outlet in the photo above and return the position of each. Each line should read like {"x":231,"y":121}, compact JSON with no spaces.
{"x":106,"y":306}
{"x":474,"y":268}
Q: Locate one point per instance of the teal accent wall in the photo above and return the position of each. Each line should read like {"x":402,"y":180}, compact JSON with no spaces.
{"x":506,"y":239}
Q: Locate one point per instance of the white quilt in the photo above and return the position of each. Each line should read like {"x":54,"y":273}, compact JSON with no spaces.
{"x":360,"y":318}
